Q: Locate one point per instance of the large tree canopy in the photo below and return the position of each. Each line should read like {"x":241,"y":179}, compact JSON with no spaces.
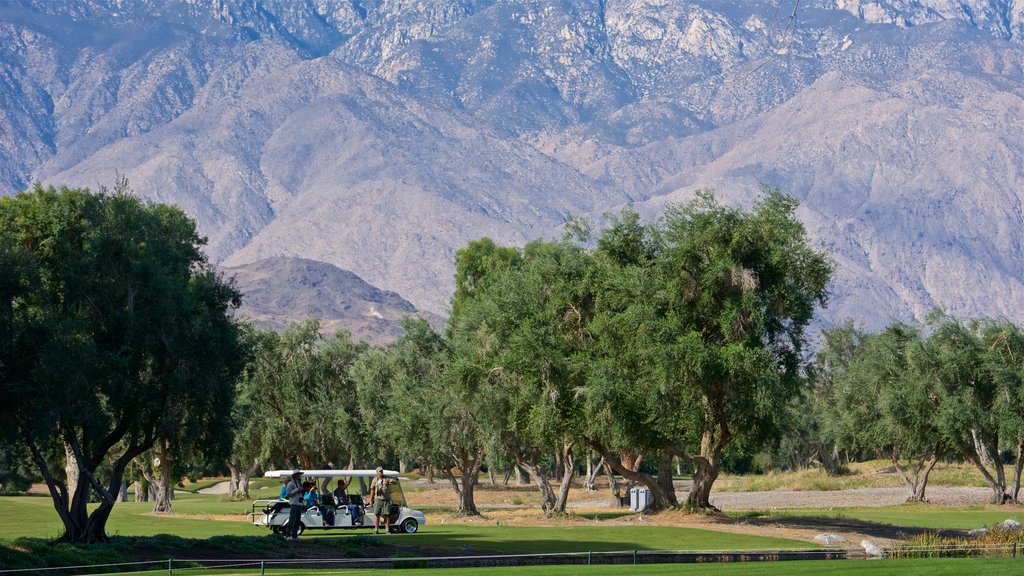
{"x":124,"y":337}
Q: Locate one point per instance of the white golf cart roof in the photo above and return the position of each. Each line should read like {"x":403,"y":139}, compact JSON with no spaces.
{"x":330,"y":474}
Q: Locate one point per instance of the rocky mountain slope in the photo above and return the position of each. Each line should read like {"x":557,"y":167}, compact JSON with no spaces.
{"x":379,"y":136}
{"x":277,"y":291}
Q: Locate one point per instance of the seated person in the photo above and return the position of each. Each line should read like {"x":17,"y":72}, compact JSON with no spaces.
{"x":312,"y":495}
{"x":341,"y":498}
{"x":282,"y":498}
{"x":312,"y":499}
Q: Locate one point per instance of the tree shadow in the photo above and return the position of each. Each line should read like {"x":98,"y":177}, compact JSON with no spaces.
{"x":876,"y":529}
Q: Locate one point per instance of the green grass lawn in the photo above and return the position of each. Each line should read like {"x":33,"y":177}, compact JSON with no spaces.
{"x":132,"y":519}
{"x":910,"y":515}
{"x":574,"y":538}
{"x":923,"y":567}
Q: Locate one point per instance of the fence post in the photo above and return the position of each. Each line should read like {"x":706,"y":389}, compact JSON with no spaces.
{"x":263,"y":568}
{"x":634,"y":556}
{"x":590,"y":557}
{"x":1014,"y":550}
{"x":170,"y":567}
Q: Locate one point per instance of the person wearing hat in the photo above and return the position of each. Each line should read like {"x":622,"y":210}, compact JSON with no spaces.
{"x":295,"y":494}
{"x":380,"y":500}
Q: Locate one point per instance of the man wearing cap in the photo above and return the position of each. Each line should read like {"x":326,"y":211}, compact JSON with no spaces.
{"x":295,"y":500}
{"x":380,"y":500}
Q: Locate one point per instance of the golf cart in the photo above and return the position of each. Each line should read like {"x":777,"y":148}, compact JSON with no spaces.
{"x":331,"y":515}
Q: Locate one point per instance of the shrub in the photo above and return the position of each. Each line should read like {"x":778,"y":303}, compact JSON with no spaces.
{"x":997,"y":541}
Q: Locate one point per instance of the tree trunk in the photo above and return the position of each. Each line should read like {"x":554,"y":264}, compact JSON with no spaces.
{"x":1017,"y":469}
{"x":706,"y":470}
{"x":665,"y":472}
{"x":243,"y":480}
{"x":999,"y":495}
{"x":704,"y":477}
{"x":662,"y":498}
{"x":519,"y":476}
{"x":923,"y":466}
{"x":593,"y":470}
{"x":236,"y":476}
{"x":70,"y":471}
{"x":490,"y":477}
{"x":122,"y":495}
{"x":923,"y":483}
{"x":467,"y":505}
{"x":613,"y":484}
{"x":547,"y":493}
{"x":454,"y":482}
{"x":81,"y":526}
{"x":508,"y":474}
{"x":469,"y":471}
{"x":401,"y":466}
{"x":568,"y":473}
{"x":163,"y":482}
{"x":137,"y":489}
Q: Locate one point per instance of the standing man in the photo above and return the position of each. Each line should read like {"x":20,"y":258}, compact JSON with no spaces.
{"x":295,"y":495}
{"x":380,"y":500}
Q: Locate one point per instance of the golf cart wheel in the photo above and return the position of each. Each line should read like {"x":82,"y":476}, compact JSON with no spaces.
{"x":302,"y":528}
{"x":277,"y":529}
{"x":410,"y":526}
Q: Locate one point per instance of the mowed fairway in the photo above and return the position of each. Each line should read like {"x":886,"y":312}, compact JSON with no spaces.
{"x":923,"y":567}
{"x":205,"y":516}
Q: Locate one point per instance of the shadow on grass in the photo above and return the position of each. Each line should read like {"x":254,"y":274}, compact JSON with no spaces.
{"x":604,"y":515}
{"x":824,"y":523}
{"x":28,"y":553}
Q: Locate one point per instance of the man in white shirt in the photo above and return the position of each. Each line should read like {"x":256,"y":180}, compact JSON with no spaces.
{"x":295,"y":494}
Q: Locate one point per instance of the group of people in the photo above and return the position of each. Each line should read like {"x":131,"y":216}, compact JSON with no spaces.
{"x":304,"y":495}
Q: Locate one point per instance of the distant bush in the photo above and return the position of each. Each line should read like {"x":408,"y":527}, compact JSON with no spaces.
{"x":997,"y":541}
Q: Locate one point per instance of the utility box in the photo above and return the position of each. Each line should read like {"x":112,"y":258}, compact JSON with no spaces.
{"x":639,"y":498}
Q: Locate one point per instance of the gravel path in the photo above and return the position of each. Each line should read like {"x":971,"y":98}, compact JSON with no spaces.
{"x":818,"y":499}
{"x":861,"y":497}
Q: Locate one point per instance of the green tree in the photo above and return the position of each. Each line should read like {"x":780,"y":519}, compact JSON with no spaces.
{"x":527,"y":323}
{"x":474,"y":263}
{"x":249,"y":414}
{"x":117,"y":344}
{"x":423,"y":398}
{"x":879,"y":395}
{"x":302,"y":380}
{"x":742,"y":288}
{"x":633,"y":406}
{"x":981,"y":366}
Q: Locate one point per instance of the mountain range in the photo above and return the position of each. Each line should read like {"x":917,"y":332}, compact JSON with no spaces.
{"x":379,"y":136}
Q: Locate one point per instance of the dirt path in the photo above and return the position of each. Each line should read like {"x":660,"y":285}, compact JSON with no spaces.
{"x":218,"y":488}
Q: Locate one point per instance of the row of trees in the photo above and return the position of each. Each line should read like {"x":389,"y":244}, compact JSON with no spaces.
{"x":648,"y":343}
{"x":957,"y":392}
